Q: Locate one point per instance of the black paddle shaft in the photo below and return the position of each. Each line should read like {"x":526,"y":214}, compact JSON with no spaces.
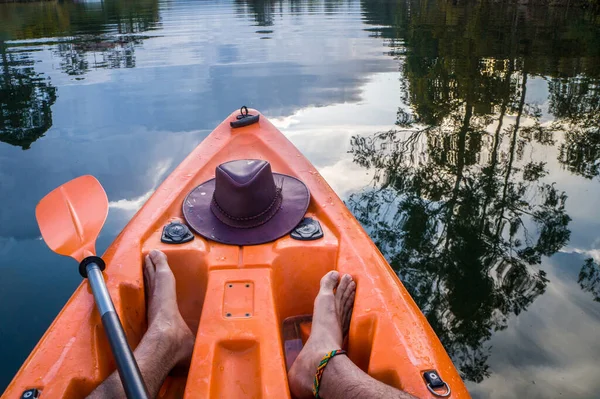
{"x":129,"y":371}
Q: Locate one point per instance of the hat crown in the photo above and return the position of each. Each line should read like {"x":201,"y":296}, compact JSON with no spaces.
{"x":244,"y":188}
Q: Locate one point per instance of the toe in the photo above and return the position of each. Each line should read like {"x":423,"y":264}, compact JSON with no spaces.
{"x":341,"y":290}
{"x":347,"y":320}
{"x":159,"y":259}
{"x":349,"y":304}
{"x":343,"y":287}
{"x":164,"y":280}
{"x":163,"y":271}
{"x":329,"y":282}
{"x":346,"y":306}
{"x":149,"y":272}
{"x":347,"y":293}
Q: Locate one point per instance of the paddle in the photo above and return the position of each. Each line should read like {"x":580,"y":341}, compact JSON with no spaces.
{"x":70,"y":219}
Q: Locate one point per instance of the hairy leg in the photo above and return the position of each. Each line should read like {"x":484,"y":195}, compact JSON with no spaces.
{"x":167,"y":342}
{"x":342,"y":379}
{"x":331,"y":320}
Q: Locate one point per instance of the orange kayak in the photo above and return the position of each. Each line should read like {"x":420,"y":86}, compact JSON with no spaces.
{"x":249,"y":306}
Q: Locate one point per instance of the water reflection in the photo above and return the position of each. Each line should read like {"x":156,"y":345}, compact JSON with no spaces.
{"x":89,"y":36}
{"x":575,"y":102}
{"x":465,"y":234}
{"x":460,"y":204}
{"x":266,"y":11}
{"x":77,"y":58}
{"x":107,"y":34}
{"x":262,"y":10}
{"x":589,"y":278}
{"x":26,"y":99}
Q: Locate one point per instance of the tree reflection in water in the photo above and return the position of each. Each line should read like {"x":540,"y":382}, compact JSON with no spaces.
{"x":26,"y":99}
{"x":107,"y":37}
{"x":459,"y":205}
{"x":465,"y":237}
{"x":95,"y":36}
{"x":576,"y":104}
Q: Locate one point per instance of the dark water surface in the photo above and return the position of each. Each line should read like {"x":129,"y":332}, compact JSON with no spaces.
{"x":465,"y":138}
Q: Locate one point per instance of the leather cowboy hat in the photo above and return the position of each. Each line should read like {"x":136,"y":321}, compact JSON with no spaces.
{"x":246,"y":204}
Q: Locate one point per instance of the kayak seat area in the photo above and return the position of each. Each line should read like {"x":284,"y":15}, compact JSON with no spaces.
{"x":235,"y":300}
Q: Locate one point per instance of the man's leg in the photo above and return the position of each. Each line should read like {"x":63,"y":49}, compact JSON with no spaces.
{"x":168,"y":340}
{"x":341,"y":378}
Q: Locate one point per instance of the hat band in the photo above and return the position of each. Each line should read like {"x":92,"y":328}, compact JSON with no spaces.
{"x":250,"y":221}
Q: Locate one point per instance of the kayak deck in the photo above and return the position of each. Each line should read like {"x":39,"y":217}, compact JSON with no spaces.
{"x":236,"y":299}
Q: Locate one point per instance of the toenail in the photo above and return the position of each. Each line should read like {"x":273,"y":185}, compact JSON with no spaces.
{"x":335,"y":274}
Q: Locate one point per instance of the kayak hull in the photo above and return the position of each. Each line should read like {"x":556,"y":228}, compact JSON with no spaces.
{"x":237,"y":298}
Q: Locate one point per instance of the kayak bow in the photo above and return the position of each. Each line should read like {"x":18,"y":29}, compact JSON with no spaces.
{"x":249,"y":306}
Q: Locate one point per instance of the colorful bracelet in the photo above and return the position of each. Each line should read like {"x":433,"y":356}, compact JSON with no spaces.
{"x":321,"y":368}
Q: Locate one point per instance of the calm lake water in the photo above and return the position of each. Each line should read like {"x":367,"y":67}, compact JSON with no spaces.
{"x":465,"y":138}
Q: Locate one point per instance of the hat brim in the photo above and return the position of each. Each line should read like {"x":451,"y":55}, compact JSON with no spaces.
{"x":198,"y":215}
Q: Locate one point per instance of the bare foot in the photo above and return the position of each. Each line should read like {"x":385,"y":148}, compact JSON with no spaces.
{"x":330,"y":323}
{"x":164,"y":319}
